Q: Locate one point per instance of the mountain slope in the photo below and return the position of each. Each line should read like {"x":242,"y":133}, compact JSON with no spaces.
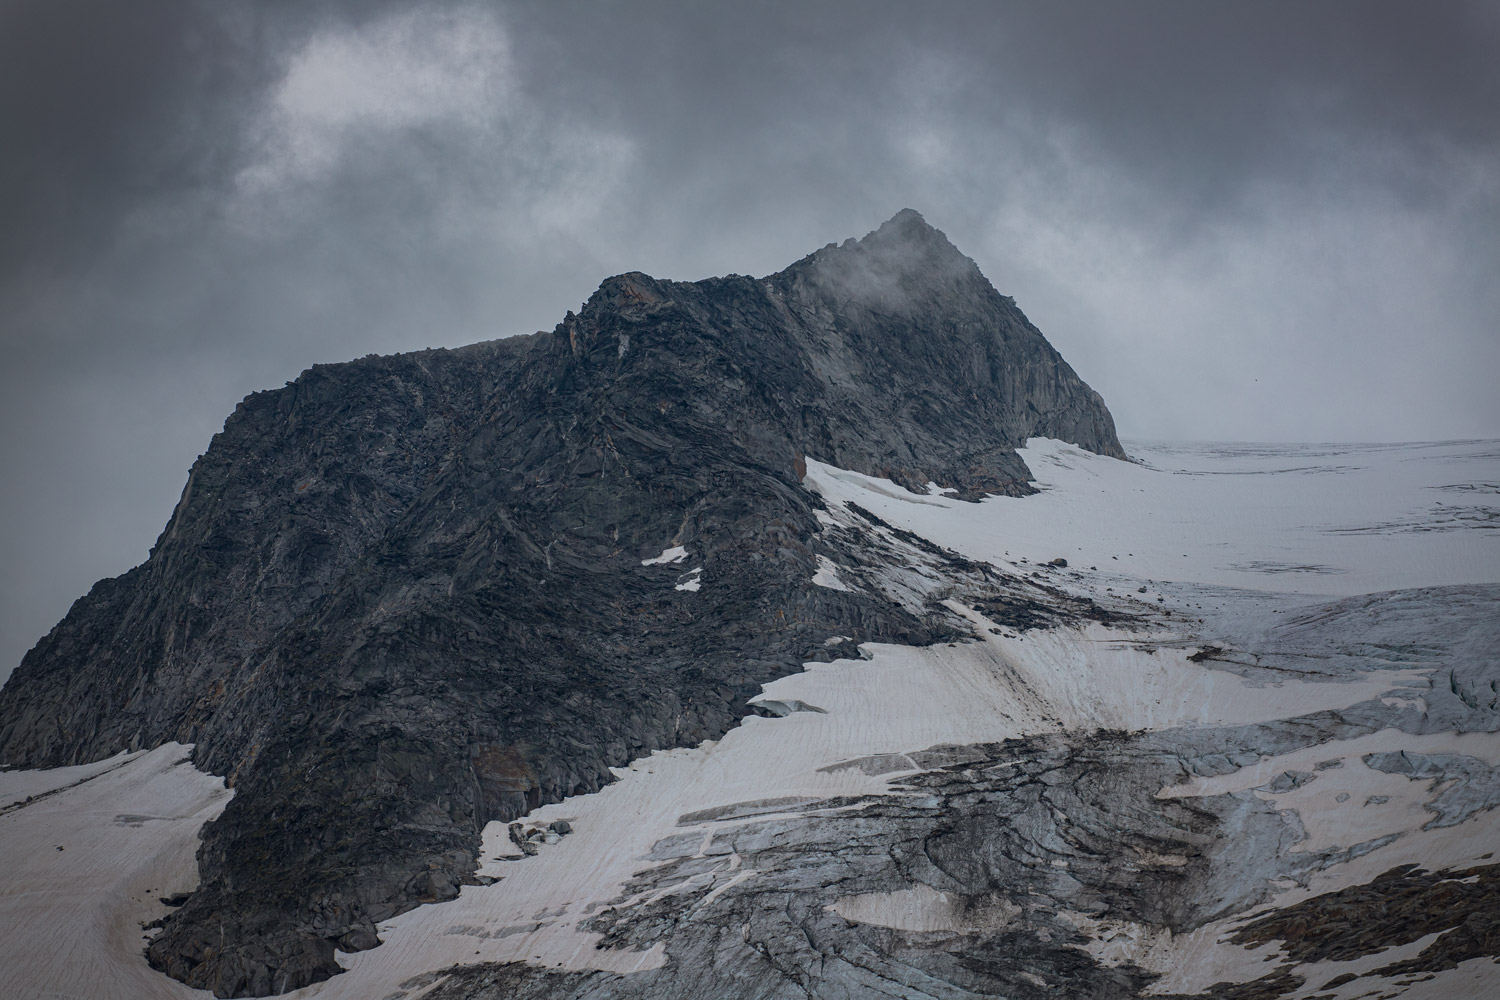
{"x":1144,"y":773}
{"x":405,"y":596}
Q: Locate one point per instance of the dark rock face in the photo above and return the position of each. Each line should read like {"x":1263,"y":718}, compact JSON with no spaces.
{"x":405,"y":596}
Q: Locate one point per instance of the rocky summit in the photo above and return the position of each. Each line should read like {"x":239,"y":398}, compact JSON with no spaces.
{"x":404,"y":597}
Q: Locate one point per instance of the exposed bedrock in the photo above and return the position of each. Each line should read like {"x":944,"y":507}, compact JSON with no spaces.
{"x":404,"y":596}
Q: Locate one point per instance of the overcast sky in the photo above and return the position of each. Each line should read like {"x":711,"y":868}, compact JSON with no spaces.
{"x":1267,"y":221}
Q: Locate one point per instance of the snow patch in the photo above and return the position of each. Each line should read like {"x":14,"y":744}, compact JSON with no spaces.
{"x":828,"y":575}
{"x":83,"y":865}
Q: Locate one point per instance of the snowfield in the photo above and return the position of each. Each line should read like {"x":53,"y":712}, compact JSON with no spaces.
{"x":1355,"y":584}
{"x":1302,"y":519}
{"x":86,"y":860}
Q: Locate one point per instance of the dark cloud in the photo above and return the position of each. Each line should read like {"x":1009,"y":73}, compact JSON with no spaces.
{"x":1265,"y":221}
{"x":98,"y":102}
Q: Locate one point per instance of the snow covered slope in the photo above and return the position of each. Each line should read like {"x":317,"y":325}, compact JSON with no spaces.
{"x":1243,"y":744}
{"x":88,"y":855}
{"x":1307,"y":519}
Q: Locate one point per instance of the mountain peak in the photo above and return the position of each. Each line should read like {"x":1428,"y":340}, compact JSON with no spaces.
{"x":904,"y":253}
{"x":908,"y":233}
{"x":448,"y":581}
{"x":906,"y":224}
